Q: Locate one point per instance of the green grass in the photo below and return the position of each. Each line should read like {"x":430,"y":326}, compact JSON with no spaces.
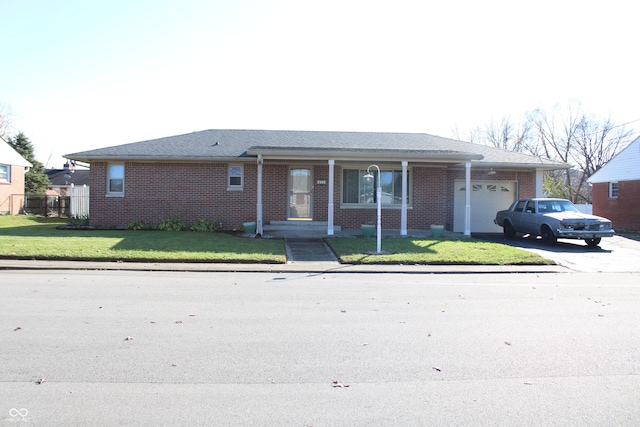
{"x":38,"y":238}
{"x":465,"y":251}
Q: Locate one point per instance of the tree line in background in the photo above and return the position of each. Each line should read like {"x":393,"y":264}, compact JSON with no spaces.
{"x":563,"y":133}
{"x":35,"y":180}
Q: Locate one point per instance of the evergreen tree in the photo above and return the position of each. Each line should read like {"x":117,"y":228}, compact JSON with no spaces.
{"x":35,"y":180}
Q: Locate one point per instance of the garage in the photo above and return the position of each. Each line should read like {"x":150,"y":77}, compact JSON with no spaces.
{"x":487,"y":197}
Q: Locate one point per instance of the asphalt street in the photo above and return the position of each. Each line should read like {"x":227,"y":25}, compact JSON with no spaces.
{"x":319,"y":349}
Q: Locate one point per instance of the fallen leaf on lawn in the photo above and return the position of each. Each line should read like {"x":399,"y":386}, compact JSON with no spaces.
{"x":339,"y":384}
{"x":128,"y":338}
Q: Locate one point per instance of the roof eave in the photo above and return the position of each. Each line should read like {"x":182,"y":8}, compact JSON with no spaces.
{"x":341,"y":154}
{"x":89,"y":159}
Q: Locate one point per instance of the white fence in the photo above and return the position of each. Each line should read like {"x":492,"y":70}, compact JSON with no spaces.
{"x":584,"y":208}
{"x":79,"y":201}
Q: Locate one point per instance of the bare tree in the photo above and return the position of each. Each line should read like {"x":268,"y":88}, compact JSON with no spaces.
{"x":6,"y":121}
{"x":570,"y":135}
{"x":505,"y":134}
{"x":562,"y":133}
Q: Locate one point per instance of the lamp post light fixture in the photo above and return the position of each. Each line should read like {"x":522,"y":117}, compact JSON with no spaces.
{"x":369,"y":177}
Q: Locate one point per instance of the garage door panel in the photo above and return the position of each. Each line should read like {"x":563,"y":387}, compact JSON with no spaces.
{"x":487,"y":197}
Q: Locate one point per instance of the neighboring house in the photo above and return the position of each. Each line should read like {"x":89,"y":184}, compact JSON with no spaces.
{"x":234,"y":176}
{"x":63,"y":179}
{"x":616,"y":189}
{"x":12,"y":170}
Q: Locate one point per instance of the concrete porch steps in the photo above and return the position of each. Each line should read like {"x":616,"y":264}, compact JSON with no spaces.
{"x":297,"y":228}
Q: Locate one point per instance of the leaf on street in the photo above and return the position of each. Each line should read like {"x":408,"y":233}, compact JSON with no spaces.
{"x":336,"y":383}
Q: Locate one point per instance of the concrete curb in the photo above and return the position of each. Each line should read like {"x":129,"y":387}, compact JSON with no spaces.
{"x":292,"y":267}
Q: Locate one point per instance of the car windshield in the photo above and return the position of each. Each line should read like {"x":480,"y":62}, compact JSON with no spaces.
{"x":548,"y":206}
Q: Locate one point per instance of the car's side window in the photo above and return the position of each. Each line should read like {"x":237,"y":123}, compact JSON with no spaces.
{"x":531,"y":206}
{"x":519,"y":206}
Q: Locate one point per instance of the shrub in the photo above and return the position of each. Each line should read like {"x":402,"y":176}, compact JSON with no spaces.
{"x":202,"y":225}
{"x":137,"y":224}
{"x":172,"y":225}
{"x":79,"y":220}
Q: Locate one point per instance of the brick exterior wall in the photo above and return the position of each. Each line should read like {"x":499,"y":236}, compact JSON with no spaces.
{"x":12,"y":193}
{"x":188,"y":191}
{"x":184,"y":191}
{"x":623,"y":211}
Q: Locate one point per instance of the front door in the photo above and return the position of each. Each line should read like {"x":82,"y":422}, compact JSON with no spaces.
{"x":300,"y":191}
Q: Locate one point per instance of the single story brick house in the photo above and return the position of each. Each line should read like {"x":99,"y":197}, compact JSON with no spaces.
{"x":12,"y":169}
{"x":616,"y":189}
{"x":235,"y":176}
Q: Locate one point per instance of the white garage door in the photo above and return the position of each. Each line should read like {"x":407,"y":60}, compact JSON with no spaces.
{"x":487,"y":197}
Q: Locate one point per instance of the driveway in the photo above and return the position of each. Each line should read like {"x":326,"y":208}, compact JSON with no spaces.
{"x":615,"y":254}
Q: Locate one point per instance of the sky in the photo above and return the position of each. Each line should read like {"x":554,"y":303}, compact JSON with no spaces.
{"x":78,"y":75}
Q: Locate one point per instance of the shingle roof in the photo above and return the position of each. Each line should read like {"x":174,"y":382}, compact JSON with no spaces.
{"x":66,"y":177}
{"x":225,"y":145}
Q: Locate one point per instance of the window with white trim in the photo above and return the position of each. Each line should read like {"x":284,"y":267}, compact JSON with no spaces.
{"x":357,"y":190}
{"x":5,"y":173}
{"x":613,"y":190}
{"x":235,"y":180}
{"x":115,"y":179}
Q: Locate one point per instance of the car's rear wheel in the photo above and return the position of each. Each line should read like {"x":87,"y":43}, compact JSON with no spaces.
{"x":592,"y":243}
{"x":548,"y":238}
{"x":509,"y":231}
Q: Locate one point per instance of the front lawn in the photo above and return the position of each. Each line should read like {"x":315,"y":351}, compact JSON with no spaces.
{"x":38,"y":238}
{"x":432,"y":251}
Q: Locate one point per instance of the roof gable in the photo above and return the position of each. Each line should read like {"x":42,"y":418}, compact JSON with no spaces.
{"x":9,"y":156}
{"x":625,"y":166}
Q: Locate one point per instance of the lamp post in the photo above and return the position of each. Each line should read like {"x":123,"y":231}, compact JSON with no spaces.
{"x":369,"y":177}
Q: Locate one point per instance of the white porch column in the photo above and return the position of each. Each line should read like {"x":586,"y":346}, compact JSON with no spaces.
{"x":403,"y":211}
{"x":259,"y":202}
{"x":538,"y":190}
{"x":330,"y":211}
{"x":467,"y":198}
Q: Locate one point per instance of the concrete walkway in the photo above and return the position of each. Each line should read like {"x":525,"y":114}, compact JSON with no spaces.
{"x":308,"y":250}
